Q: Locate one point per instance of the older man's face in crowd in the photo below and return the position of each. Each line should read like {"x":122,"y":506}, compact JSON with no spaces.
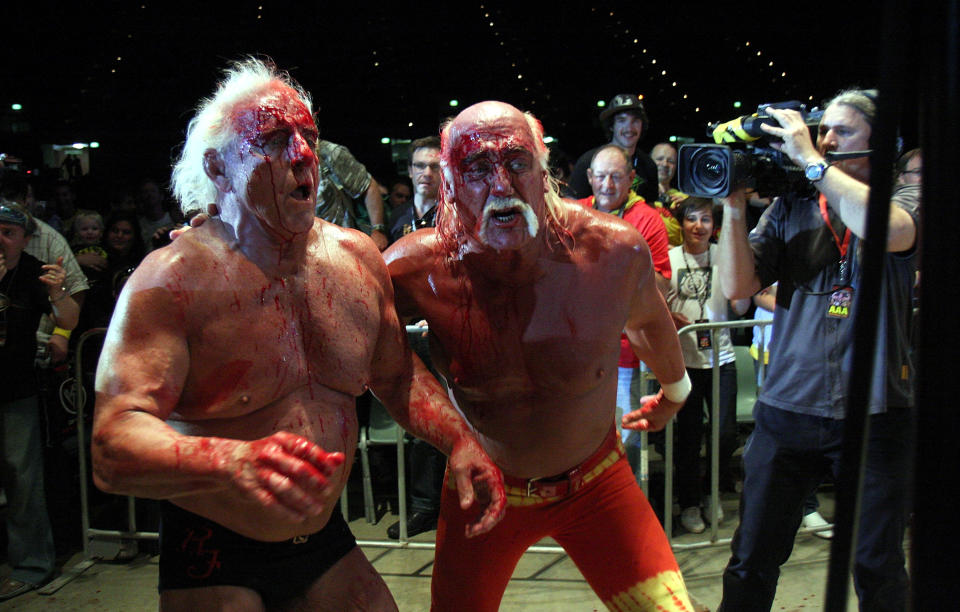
{"x":610,"y":178}
{"x":665,"y":157}
{"x":275,"y":161}
{"x":498,"y":184}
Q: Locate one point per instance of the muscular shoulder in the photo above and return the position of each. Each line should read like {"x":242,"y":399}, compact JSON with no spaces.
{"x":347,"y":250}
{"x":603,"y":237}
{"x":410,"y":261}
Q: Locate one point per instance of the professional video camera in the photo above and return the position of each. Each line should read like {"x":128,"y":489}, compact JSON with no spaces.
{"x":714,"y":170}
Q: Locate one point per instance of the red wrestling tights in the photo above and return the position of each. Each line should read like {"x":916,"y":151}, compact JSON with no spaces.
{"x":607,"y":528}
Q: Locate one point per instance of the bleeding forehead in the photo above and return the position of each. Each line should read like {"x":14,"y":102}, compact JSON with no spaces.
{"x":277,"y":107}
{"x":492,"y":128}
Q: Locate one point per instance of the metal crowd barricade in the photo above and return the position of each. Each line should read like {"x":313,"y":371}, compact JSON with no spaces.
{"x":91,"y":535}
{"x":714,"y":434}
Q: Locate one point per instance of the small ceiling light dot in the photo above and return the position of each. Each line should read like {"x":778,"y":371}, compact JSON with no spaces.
{"x":454,"y":102}
{"x":783,"y":74}
{"x":601,"y":103}
{"x":758,"y":54}
{"x":696,"y":110}
{"x":770,"y":64}
{"x":410,"y":124}
{"x":384,"y":141}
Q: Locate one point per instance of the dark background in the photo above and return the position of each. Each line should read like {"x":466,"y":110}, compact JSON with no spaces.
{"x":127,"y":74}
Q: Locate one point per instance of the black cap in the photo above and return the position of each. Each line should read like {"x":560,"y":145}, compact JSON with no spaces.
{"x":623,"y":102}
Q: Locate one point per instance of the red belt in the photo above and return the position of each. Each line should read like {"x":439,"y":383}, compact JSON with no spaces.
{"x":570,"y":481}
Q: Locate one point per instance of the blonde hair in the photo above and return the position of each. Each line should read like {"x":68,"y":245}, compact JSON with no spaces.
{"x":83,"y":215}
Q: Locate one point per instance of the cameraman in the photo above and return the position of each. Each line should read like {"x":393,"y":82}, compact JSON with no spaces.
{"x":811,"y":245}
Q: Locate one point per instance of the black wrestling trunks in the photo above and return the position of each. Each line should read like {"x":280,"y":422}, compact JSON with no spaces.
{"x":197,"y":552}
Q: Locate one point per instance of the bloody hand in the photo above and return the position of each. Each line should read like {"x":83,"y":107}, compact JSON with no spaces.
{"x":654,"y":413}
{"x":285,"y":473}
{"x":478,"y":480}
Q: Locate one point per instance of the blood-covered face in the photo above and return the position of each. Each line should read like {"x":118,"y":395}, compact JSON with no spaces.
{"x":498,"y":185}
{"x":275,"y":162}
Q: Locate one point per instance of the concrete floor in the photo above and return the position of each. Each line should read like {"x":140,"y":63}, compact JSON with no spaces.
{"x":541,"y":582}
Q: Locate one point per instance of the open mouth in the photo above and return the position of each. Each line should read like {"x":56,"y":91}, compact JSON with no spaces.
{"x":505,"y":216}
{"x":301,"y":193}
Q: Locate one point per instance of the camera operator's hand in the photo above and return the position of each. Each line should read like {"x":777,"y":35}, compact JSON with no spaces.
{"x":795,"y":134}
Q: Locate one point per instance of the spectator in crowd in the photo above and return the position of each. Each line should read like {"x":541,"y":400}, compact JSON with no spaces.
{"x":49,"y":246}
{"x":811,"y":245}
{"x":154,"y":211}
{"x":664,"y":155}
{"x":343,"y":180}
{"x":64,"y":206}
{"x":695,"y":297}
{"x":910,"y":168}
{"x":399,"y":194}
{"x":426,"y":463}
{"x":424,"y":172}
{"x":525,"y":296}
{"x":625,"y":122}
{"x":28,"y":289}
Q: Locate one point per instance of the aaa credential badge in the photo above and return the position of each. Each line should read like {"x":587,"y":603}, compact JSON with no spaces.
{"x":839,"y":305}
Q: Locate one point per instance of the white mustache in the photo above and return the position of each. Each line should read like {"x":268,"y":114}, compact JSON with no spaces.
{"x":496,"y":204}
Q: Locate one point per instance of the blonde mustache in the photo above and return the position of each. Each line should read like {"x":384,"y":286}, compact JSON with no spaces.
{"x":496,"y":204}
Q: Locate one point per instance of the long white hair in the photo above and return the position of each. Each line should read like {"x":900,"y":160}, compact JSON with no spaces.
{"x":212,"y":127}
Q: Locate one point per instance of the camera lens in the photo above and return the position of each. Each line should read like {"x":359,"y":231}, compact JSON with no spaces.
{"x":710,"y":172}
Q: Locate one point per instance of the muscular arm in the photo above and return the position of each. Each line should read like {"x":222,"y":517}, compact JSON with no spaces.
{"x":374,"y":204}
{"x":421,"y":406}
{"x":140,"y":377}
{"x":653,"y":337}
{"x":736,"y":267}
{"x":845,"y":194}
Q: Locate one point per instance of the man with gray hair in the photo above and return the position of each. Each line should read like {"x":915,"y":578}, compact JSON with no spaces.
{"x":526,"y":296}
{"x":810,"y":244}
{"x":228,"y":377}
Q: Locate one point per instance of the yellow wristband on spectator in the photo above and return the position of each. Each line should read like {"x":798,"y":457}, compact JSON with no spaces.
{"x":59,"y":331}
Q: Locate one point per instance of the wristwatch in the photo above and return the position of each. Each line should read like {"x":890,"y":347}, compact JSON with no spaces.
{"x":814,"y":172}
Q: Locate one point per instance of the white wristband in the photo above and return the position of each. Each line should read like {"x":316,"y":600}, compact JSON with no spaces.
{"x":677,"y":391}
